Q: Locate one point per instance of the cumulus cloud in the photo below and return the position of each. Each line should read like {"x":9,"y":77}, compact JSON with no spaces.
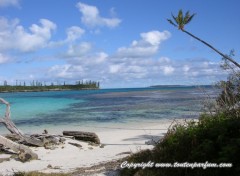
{"x":89,"y":66}
{"x":164,"y":60}
{"x":149,"y":71}
{"x":65,"y":71}
{"x":147,"y":46}
{"x":167,"y":70}
{"x":200,"y":68}
{"x":135,"y":64}
{"x":115,"y":68}
{"x":6,"y":3}
{"x":74,"y":33}
{"x":155,"y":37}
{"x":90,"y":59}
{"x":128,"y":63}
{"x":78,"y":50}
{"x":14,"y":36}
{"x":91,"y":17}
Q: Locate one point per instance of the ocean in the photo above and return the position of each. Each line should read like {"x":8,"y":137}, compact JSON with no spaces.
{"x":103,"y":109}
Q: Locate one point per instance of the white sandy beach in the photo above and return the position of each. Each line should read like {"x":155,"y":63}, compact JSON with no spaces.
{"x":117,"y":143}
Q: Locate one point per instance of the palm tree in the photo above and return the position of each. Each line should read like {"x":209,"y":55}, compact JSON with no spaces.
{"x":181,"y":21}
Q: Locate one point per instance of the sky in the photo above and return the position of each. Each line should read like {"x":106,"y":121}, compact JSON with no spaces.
{"x":119,"y":43}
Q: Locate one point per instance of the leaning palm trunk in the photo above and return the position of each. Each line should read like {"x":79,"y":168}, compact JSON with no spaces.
{"x":210,"y":46}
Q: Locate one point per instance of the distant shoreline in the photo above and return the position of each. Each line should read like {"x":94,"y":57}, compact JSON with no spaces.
{"x":169,"y":86}
{"x":45,"y":90}
{"x":36,"y":86}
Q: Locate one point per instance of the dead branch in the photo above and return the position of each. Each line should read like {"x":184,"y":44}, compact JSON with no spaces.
{"x":7,"y":122}
{"x":24,"y":153}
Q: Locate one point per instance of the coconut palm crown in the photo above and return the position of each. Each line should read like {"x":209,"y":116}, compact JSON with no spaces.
{"x":180,"y":20}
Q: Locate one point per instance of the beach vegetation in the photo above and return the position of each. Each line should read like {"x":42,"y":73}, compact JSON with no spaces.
{"x":213,"y":139}
{"x":228,"y":100}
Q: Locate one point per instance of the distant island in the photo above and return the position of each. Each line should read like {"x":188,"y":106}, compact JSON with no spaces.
{"x":181,"y":86}
{"x":37,"y":86}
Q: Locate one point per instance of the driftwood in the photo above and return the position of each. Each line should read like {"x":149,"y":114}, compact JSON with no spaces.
{"x":75,"y":144}
{"x":40,"y":140}
{"x":24,"y":153}
{"x":83,"y":136}
{"x":8,"y":123}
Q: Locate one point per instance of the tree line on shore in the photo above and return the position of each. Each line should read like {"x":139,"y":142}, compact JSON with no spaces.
{"x":44,"y":86}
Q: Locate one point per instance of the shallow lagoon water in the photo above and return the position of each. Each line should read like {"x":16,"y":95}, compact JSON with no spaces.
{"x":36,"y":111}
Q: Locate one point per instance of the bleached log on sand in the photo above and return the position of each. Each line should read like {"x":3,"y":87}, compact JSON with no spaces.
{"x":83,"y":136}
{"x":24,"y":153}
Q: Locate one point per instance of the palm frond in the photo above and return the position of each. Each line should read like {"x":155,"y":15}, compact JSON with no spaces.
{"x":175,"y":19}
{"x":171,"y":22}
{"x":180,"y":13}
{"x":180,"y":19}
{"x":186,"y":17}
{"x":190,"y":18}
{"x":187,"y":13}
{"x":180,"y":16}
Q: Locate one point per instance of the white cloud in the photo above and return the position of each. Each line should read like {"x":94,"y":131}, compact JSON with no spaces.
{"x":168,"y":70}
{"x":65,"y":71}
{"x":114,"y":68}
{"x":127,"y":64}
{"x":155,"y":37}
{"x":101,"y":57}
{"x":92,"y":18}
{"x":164,"y":60}
{"x":3,"y":58}
{"x":74,"y":33}
{"x":6,"y":3}
{"x":60,"y":71}
{"x":14,"y":36}
{"x":136,"y":51}
{"x":103,"y":68}
{"x":147,"y":46}
{"x":134,"y":64}
{"x":186,"y":68}
{"x":77,"y":50}
{"x":90,"y":66}
{"x":90,"y":59}
{"x":201,"y":68}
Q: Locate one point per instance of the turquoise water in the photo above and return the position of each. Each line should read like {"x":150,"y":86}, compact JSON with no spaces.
{"x":38,"y":110}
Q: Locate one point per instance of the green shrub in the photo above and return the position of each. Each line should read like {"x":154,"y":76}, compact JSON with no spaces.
{"x":214,"y":139}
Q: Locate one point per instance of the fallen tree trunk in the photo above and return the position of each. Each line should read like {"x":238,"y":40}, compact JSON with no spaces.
{"x":8,"y":123}
{"x":24,"y":153}
{"x":83,"y":136}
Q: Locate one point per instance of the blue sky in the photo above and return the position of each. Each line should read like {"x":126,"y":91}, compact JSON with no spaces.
{"x":120,"y":43}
